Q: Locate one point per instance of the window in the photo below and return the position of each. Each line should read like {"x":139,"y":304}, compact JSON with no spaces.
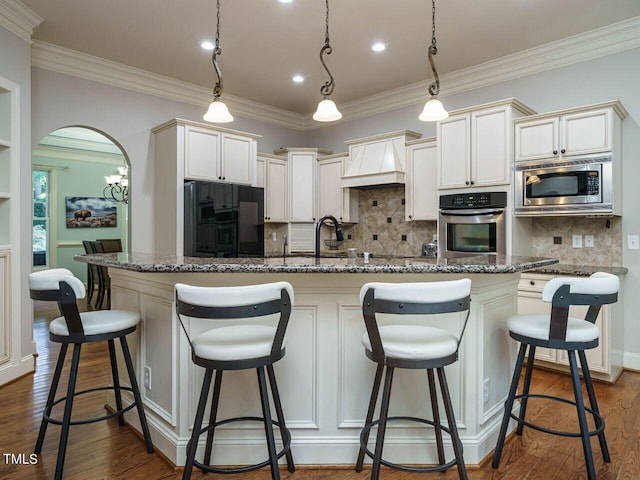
{"x":40,"y":217}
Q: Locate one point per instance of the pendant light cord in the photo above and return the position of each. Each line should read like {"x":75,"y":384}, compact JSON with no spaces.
{"x":327,"y":89}
{"x":434,"y":88}
{"x":217,"y":90}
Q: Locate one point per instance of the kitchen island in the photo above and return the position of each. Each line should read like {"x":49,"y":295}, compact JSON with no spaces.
{"x":324,"y":379}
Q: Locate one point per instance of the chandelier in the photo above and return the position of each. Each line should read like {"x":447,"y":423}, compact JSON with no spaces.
{"x":117,"y":186}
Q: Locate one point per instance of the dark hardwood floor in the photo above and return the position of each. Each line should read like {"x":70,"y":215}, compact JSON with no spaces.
{"x":106,"y":451}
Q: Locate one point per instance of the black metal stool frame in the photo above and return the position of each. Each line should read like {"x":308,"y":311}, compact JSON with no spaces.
{"x":562,"y":300}
{"x":67,"y":304}
{"x":371,"y":306}
{"x":282,"y":306}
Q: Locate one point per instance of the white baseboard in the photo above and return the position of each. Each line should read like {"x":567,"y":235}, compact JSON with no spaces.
{"x":631,"y":361}
{"x":11,"y":371}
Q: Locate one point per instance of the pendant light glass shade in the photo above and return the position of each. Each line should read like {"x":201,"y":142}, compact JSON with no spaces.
{"x":218,"y":113}
{"x":433,"y":111}
{"x":327,"y":111}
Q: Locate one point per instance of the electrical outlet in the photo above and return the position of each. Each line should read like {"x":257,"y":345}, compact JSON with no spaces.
{"x":485,"y":391}
{"x":577,"y":241}
{"x":274,"y":236}
{"x":633,"y":242}
{"x":147,"y":378}
{"x":588,"y":241}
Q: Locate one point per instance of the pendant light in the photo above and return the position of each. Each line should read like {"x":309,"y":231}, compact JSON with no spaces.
{"x":433,"y":109}
{"x":327,"y":110}
{"x":218,"y":111}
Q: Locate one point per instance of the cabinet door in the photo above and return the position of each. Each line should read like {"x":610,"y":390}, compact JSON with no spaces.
{"x":454,"y":158}
{"x":530,"y":303}
{"x":587,"y":132}
{"x":201,"y":159}
{"x":5,"y":319}
{"x":302,"y":187}
{"x":421,"y":192}
{"x":536,"y":139}
{"x":491,"y":148}
{"x":238,"y":158}
{"x":276,"y":191}
{"x":597,"y":358}
{"x":329,"y":189}
{"x":261,"y":172}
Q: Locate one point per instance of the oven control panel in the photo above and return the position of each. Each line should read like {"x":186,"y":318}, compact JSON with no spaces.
{"x":474,"y":200}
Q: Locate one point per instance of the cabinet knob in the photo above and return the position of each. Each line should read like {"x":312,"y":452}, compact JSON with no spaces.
{"x":563,"y":151}
{"x":555,"y":152}
{"x":466,"y":183}
{"x":219,"y":178}
{"x":410,"y":216}
{"x":224,"y":178}
{"x":472,"y":182}
{"x":532,"y":282}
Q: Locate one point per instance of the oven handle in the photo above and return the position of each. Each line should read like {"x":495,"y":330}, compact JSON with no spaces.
{"x":467,"y":213}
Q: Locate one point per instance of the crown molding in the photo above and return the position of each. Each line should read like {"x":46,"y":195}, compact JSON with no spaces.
{"x":597,"y":43}
{"x":71,"y":62}
{"x":601,"y":42}
{"x":18,"y":19}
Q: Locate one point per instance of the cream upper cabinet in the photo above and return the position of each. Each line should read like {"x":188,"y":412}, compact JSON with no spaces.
{"x":334,"y":200}
{"x":219,"y":156}
{"x":187,"y":150}
{"x":421,"y":193}
{"x":582,"y":131}
{"x":272,"y":175}
{"x":302,"y":164}
{"x":475,"y":145}
{"x":604,"y":361}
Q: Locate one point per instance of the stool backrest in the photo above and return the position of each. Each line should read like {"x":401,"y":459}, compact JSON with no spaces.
{"x":60,"y":285}
{"x":422,"y":298}
{"x":242,"y":302}
{"x":599,"y":289}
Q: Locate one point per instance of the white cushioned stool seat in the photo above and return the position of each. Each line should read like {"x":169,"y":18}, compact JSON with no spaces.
{"x":414,"y":342}
{"x":537,"y":326}
{"x":235,"y":342}
{"x":98,"y":322}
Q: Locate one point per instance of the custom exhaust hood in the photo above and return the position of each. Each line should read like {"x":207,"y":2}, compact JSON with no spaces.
{"x":378,"y":160}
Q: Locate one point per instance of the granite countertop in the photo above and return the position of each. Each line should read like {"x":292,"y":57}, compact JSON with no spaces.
{"x":141,"y":262}
{"x":578,"y":270}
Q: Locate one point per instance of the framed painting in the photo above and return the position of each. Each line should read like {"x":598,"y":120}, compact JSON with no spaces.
{"x":91,"y":212}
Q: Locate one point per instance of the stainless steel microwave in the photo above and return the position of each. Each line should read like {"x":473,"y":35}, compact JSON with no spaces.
{"x":582,"y":185}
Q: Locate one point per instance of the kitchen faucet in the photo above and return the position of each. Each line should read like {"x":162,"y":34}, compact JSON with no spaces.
{"x":336,"y":224}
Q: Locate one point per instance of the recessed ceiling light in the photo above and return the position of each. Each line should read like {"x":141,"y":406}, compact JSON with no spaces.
{"x":285,"y":1}
{"x":378,"y":47}
{"x":297,"y":78}
{"x":207,"y":45}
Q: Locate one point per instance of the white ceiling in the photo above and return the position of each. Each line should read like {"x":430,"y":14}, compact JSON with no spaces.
{"x":265,"y":42}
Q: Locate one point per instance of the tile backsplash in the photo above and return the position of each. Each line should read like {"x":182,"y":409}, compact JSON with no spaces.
{"x":382,"y":229}
{"x":607,"y":240}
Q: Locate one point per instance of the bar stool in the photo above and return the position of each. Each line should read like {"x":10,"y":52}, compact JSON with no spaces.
{"x":559,"y":331}
{"x":237,"y":346}
{"x":59,"y":285}
{"x":396,"y":345}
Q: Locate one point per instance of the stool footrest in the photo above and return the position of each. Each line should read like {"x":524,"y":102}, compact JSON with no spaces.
{"x":208,"y":468}
{"x":558,"y":432}
{"x":370,"y":454}
{"x":55,"y":421}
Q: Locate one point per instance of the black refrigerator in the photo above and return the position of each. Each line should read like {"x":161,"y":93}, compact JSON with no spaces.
{"x":223,"y":220}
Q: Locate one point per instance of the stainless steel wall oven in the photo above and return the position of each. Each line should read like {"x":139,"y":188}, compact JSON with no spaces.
{"x":472,"y":224}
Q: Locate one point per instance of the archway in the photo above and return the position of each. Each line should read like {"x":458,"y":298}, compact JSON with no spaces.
{"x":71,"y":201}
